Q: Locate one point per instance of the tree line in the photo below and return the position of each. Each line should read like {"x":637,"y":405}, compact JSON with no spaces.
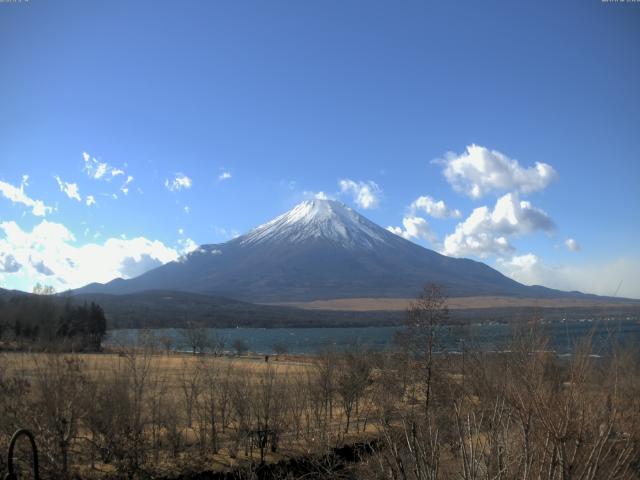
{"x":44,"y":321}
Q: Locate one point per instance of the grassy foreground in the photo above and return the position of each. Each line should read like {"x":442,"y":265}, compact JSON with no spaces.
{"x":143,"y":413}
{"x":521,"y":414}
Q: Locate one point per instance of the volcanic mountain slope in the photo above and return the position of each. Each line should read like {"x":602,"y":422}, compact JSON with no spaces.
{"x":161,"y":309}
{"x":321,"y":249}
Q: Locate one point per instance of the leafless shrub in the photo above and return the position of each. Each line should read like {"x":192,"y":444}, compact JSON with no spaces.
{"x":190,"y":380}
{"x":198,"y":338}
{"x":57,"y":409}
{"x":352,"y":381}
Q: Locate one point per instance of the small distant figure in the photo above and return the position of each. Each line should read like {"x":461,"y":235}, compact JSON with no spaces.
{"x":266,"y":358}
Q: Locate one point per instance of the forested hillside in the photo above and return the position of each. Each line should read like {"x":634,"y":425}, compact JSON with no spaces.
{"x":42,"y":321}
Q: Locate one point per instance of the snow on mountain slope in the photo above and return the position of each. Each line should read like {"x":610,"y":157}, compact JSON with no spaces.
{"x":319,"y":219}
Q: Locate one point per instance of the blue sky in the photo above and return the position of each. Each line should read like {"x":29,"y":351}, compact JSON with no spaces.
{"x":522,"y":116}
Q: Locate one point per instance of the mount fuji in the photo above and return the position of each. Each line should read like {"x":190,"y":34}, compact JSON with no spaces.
{"x":321,"y":250}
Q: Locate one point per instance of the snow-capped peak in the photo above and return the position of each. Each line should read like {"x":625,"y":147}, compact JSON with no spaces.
{"x":319,"y":219}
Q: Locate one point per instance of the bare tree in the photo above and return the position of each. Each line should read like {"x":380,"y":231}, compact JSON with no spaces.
{"x":428,"y":311}
{"x":40,"y":289}
{"x":217,"y":343}
{"x":118,"y":414}
{"x":209,"y":404}
{"x":58,"y":407}
{"x":326,"y":377}
{"x":157,"y":407}
{"x":240,"y":346}
{"x":241,"y":405}
{"x":224,"y":395}
{"x":352,"y":380}
{"x":167,"y":342}
{"x":196,"y":337}
{"x":298,"y":404}
{"x":190,"y":380}
{"x":268,"y":405}
{"x":280,"y":348}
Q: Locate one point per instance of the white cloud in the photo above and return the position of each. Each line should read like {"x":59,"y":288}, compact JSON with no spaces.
{"x":134,"y":266}
{"x":18,"y":195}
{"x":572,"y":245}
{"x":125,"y":186}
{"x":90,"y":200}
{"x":187,"y":245}
{"x":485,"y":232}
{"x":71,"y":190}
{"x":187,"y":209}
{"x":365,"y":194}
{"x":179,"y":182}
{"x":316,"y":195}
{"x":437,"y":209}
{"x":99,"y":170}
{"x":480,"y":171}
{"x":600,"y":278}
{"x":414,"y":228}
{"x":224,"y":176}
{"x":103,"y":171}
{"x":48,"y":254}
{"x":519,"y":263}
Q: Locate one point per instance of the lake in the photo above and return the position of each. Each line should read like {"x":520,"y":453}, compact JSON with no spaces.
{"x":563,"y":337}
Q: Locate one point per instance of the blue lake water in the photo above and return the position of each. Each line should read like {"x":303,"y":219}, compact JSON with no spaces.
{"x":489,"y":337}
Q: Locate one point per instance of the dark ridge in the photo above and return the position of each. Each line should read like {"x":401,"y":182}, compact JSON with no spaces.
{"x":166,"y":309}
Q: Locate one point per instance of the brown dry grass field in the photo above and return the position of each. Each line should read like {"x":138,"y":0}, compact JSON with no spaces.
{"x":171,"y":366}
{"x":454,"y":303}
{"x":141,"y":414}
{"x":183,"y":387}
